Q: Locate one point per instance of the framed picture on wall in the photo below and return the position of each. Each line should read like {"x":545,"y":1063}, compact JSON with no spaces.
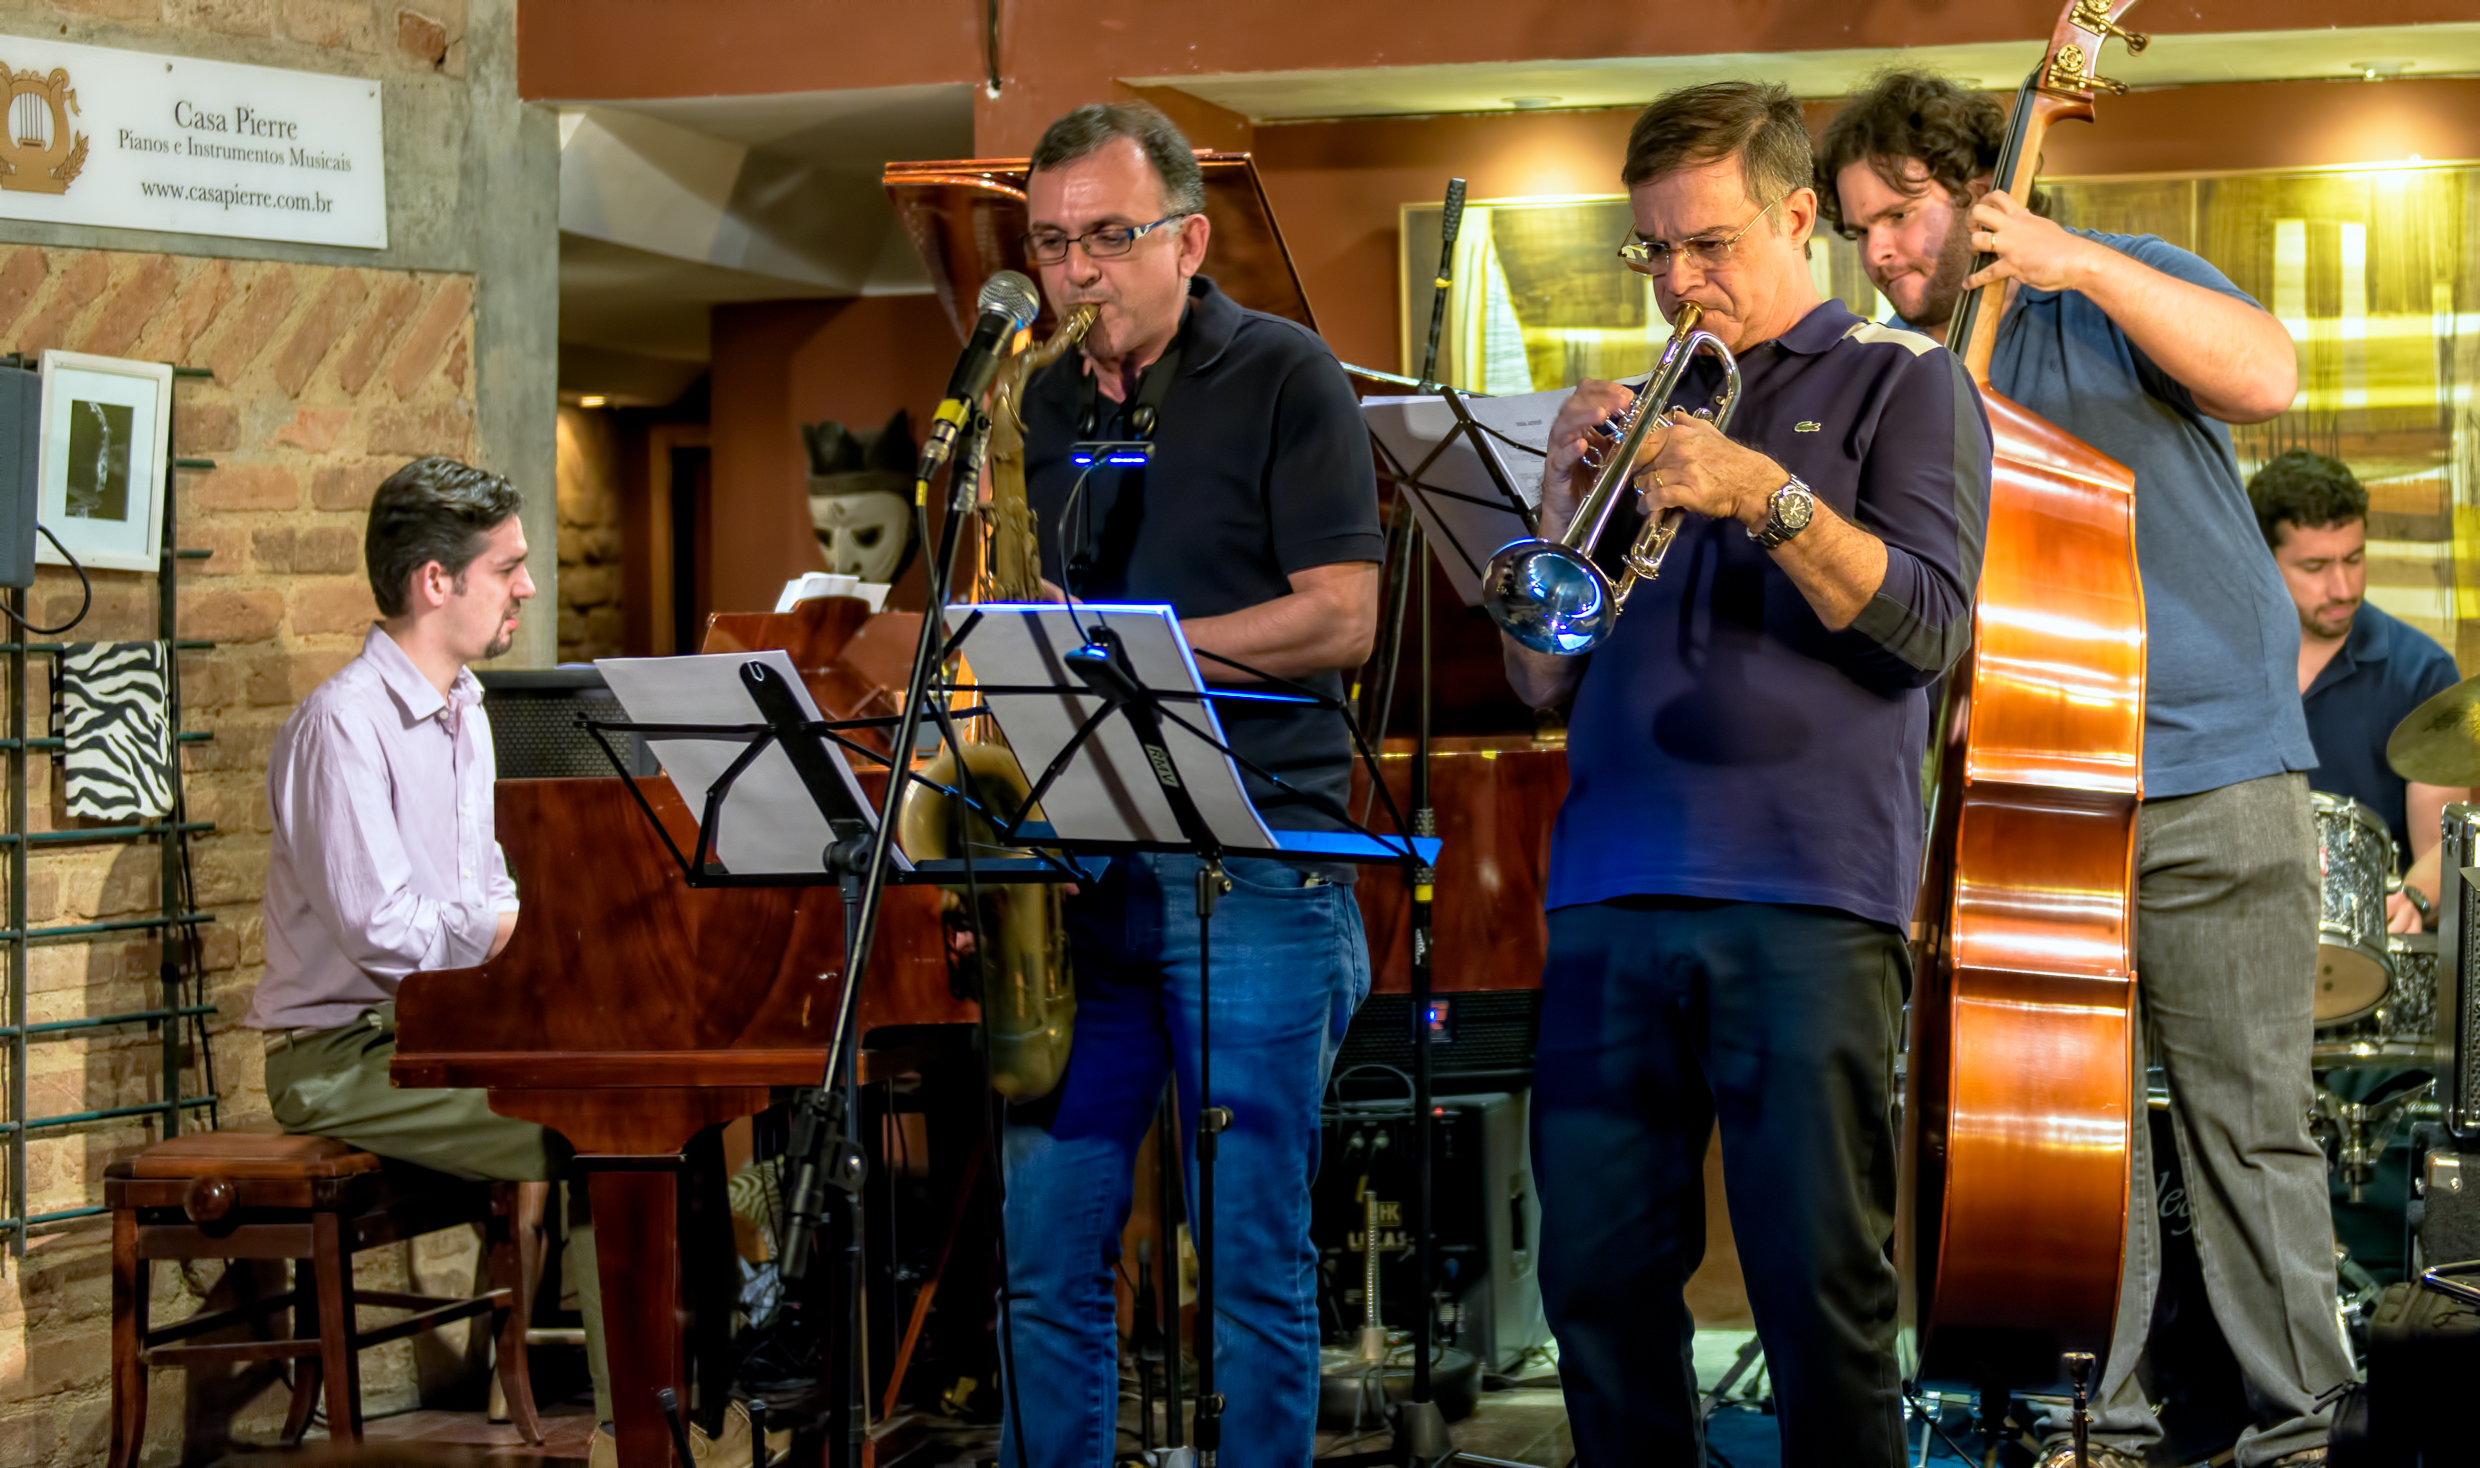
{"x":105,"y":424}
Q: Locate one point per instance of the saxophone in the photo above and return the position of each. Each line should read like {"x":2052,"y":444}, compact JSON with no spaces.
{"x":1020,"y":978}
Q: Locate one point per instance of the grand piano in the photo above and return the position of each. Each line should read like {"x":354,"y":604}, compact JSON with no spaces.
{"x":630,"y":1012}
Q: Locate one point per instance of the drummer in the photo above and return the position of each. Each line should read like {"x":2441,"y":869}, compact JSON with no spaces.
{"x":2360,"y":670}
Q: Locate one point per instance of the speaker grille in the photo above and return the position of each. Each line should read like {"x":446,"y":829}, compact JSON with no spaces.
{"x":2457,"y":996}
{"x":1492,"y":1038}
{"x":534,"y":718}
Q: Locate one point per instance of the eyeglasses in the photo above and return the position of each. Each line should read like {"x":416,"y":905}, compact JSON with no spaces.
{"x":1709,"y":251}
{"x":1102,"y":242}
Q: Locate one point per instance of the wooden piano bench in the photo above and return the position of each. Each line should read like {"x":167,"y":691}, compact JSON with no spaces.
{"x":307,"y":1200}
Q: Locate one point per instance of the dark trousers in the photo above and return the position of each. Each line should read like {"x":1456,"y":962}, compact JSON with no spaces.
{"x":1661,"y":1016}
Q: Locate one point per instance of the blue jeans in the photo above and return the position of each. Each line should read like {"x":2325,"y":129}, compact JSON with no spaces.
{"x":1290,"y":966}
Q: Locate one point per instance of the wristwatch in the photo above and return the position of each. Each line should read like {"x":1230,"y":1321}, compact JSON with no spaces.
{"x":1787,"y":513}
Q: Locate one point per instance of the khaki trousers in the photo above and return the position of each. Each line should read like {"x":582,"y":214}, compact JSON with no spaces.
{"x":334,"y":1083}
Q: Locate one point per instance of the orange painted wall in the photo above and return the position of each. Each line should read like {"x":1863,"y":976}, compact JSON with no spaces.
{"x":1054,"y":54}
{"x":777,"y":365}
{"x":1337,"y":189}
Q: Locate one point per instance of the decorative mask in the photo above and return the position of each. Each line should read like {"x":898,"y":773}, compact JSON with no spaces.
{"x":864,"y":528}
{"x":860,"y":501}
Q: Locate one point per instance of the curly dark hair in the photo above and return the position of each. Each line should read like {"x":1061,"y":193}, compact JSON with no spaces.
{"x":2304,"y":487}
{"x":1954,"y":133}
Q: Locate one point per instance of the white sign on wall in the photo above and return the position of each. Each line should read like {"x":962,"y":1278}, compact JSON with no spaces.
{"x":136,"y":140}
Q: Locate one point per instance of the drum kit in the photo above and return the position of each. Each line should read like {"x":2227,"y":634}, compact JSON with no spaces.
{"x":2376,"y":991}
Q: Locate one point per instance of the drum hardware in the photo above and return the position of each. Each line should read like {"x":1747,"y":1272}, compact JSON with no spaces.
{"x":2356,"y":1133}
{"x":1548,"y":594}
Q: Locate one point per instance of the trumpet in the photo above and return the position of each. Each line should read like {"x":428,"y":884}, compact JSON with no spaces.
{"x":1548,"y":594}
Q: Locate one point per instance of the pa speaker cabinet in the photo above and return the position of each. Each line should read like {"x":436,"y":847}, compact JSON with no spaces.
{"x":2458,"y":973}
{"x":1488,"y":1220}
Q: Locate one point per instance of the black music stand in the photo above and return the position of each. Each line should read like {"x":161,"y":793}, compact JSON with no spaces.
{"x":1127,"y":770}
{"x":812,"y":776}
{"x":1421,"y":1435}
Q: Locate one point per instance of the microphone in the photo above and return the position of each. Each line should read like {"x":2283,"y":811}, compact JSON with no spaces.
{"x":1449,"y":226}
{"x":1008,"y":305}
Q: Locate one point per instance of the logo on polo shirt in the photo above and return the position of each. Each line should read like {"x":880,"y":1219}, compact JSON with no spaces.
{"x":1806,"y":425}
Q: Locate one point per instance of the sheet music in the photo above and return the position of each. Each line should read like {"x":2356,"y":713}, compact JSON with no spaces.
{"x":1464,"y":533}
{"x":769,"y":825}
{"x":1108,"y":792}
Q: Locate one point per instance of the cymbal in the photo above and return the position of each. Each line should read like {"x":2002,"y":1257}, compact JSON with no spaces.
{"x":2438,"y":743}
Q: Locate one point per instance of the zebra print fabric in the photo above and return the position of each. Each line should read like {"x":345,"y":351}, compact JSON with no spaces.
{"x":116,"y":724}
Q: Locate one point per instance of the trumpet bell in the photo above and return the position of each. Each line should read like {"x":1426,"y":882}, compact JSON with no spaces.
{"x":1550,"y":598}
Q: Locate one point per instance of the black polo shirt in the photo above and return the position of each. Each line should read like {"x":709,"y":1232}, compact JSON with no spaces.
{"x":2384,"y":669}
{"x":1261,"y":468}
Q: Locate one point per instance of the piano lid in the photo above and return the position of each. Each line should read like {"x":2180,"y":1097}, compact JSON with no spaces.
{"x":966,"y":218}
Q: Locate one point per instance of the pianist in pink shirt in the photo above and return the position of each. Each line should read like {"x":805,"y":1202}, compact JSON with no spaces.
{"x":385,"y":862}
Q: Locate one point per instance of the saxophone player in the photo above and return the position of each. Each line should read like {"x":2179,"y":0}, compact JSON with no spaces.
{"x":1258,"y":520}
{"x":1733,"y":871}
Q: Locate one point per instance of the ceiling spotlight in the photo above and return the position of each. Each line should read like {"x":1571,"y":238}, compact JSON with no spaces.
{"x":592,"y":400}
{"x":2370,"y":71}
{"x":1531,"y":104}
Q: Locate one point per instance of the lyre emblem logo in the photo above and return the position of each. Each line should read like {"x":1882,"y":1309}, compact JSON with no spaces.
{"x":40,"y":153}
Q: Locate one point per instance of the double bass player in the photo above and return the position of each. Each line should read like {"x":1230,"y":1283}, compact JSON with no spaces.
{"x":2148,"y":353}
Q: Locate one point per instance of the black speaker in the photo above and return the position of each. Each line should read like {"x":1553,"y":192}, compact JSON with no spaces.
{"x":534,"y":730}
{"x":2458,"y":979}
{"x":1488,"y":1220}
{"x":21,"y":443}
{"x":1480,"y":1040}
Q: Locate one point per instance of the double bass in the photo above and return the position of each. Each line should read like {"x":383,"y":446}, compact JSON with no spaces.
{"x":2020,"y":1089}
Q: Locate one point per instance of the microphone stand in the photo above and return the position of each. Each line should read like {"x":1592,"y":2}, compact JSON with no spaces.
{"x":1421,"y":1438}
{"x":827,"y":1165}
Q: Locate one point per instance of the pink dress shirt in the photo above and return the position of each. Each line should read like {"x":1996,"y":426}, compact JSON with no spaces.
{"x":384,"y":860}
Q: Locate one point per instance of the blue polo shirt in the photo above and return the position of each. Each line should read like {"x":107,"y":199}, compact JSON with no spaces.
{"x":2221,"y":653}
{"x":1724,"y":744}
{"x":2384,"y":669}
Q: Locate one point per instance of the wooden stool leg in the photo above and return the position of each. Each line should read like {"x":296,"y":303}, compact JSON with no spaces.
{"x":339,"y":1358}
{"x":131,"y":1284}
{"x":305,"y":1368}
{"x":517,"y":1211}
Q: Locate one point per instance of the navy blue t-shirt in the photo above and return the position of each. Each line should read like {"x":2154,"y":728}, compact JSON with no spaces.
{"x":1723,"y":743}
{"x":2383,"y":670}
{"x":2221,"y":675}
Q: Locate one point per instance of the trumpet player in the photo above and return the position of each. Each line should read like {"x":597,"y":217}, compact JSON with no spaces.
{"x":1733,"y":871}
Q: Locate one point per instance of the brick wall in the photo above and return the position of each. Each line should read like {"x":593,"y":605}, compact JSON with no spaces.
{"x":326,"y":380}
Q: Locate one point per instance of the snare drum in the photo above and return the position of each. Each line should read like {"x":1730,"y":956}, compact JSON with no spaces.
{"x":2355,"y":853}
{"x":2399,"y":1034}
